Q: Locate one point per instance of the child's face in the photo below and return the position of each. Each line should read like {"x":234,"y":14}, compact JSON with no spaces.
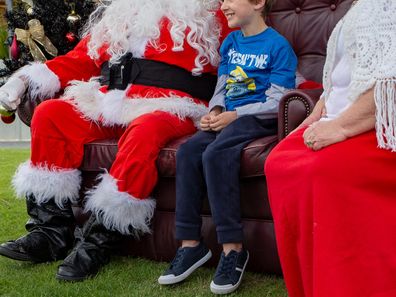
{"x":240,"y":13}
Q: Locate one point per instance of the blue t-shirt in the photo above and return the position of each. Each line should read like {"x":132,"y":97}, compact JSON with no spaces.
{"x":253,"y":63}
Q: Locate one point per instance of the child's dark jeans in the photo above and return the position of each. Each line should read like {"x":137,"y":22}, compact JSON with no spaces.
{"x":209,"y":162}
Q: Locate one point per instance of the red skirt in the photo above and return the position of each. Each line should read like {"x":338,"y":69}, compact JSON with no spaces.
{"x":335,"y":217}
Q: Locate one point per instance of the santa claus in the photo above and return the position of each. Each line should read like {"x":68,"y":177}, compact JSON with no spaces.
{"x":142,"y":74}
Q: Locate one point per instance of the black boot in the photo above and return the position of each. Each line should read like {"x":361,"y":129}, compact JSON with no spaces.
{"x":93,"y":246}
{"x":50,"y":233}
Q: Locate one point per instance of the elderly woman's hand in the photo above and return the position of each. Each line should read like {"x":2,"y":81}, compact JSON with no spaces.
{"x":323,"y":133}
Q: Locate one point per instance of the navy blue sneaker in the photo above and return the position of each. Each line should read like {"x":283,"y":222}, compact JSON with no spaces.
{"x":186,"y":261}
{"x":229,"y":272}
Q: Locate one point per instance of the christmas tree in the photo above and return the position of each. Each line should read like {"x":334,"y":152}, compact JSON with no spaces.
{"x":42,"y":29}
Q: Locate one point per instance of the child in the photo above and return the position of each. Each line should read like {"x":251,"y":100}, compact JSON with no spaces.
{"x":257,"y":67}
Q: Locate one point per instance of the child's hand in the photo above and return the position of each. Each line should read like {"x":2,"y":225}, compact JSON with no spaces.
{"x":206,"y":119}
{"x":222,"y":120}
{"x":205,"y":122}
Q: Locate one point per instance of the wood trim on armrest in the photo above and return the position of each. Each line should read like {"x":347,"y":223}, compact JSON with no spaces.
{"x":294,"y":107}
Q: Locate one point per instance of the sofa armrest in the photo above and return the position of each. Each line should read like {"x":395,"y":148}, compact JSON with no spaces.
{"x":294,"y":107}
{"x":26,"y":108}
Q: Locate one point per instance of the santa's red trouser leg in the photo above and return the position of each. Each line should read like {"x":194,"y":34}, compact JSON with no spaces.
{"x":122,"y":198}
{"x":334,"y":213}
{"x":58,"y":135}
{"x":120,"y":202}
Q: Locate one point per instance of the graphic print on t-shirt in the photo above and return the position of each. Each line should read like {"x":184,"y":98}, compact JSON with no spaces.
{"x":248,"y":60}
{"x":239,"y":84}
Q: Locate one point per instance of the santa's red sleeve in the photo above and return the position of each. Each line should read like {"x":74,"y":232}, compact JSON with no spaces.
{"x":47,"y":79}
{"x":75,"y":65}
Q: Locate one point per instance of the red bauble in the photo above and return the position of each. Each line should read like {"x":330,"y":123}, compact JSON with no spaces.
{"x":71,"y":37}
{"x":14,"y":49}
{"x":9,"y":119}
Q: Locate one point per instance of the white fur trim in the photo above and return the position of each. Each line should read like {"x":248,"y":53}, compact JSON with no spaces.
{"x":115,"y":108}
{"x":121,"y":110}
{"x":86,"y":97}
{"x":42,"y":82}
{"x":118,"y":210}
{"x":45,"y":183}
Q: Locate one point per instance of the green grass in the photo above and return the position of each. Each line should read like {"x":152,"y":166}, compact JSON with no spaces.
{"x":122,"y":277}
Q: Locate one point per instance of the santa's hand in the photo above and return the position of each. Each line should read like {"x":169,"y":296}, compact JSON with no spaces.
{"x":11,"y":93}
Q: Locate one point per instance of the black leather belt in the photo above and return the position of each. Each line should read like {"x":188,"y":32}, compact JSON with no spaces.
{"x":158,"y":74}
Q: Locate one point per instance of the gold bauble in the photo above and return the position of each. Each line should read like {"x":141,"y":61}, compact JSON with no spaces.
{"x":30,"y":11}
{"x":73,"y":18}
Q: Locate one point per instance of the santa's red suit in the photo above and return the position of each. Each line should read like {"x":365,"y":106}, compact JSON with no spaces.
{"x":186,"y":34}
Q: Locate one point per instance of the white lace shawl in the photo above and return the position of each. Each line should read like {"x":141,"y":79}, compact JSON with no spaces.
{"x":370,"y":43}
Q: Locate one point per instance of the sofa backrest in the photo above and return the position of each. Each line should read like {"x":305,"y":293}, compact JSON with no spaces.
{"x":307,"y":24}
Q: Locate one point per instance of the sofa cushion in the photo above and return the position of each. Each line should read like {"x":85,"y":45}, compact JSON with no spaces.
{"x":99,"y":155}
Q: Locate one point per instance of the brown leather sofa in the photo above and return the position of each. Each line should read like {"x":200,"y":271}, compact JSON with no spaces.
{"x":307,"y":24}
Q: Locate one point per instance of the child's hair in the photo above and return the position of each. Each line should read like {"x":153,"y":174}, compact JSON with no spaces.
{"x":267,"y":7}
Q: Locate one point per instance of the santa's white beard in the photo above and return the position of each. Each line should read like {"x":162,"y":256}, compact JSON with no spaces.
{"x":130,"y":25}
